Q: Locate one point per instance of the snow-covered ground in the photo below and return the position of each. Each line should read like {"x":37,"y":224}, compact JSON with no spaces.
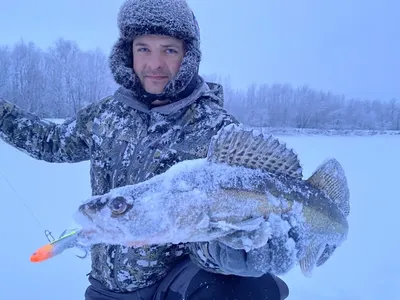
{"x":366,"y":267}
{"x":326,"y":132}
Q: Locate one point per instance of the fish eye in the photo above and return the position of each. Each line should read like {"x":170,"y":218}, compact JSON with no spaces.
{"x":118,"y":205}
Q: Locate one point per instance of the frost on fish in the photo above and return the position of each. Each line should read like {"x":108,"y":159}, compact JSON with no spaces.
{"x":248,"y":193}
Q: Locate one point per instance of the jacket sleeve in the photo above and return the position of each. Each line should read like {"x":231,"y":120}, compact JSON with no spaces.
{"x":66,"y":142}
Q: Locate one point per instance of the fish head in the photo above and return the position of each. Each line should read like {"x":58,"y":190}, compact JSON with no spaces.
{"x":125,"y":216}
{"x":105,"y":217}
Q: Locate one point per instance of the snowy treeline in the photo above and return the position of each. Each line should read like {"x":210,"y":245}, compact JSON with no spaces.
{"x":56,"y":82}
{"x":284,"y":106}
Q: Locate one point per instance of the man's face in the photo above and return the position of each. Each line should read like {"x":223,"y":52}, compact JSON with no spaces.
{"x":156,"y":59}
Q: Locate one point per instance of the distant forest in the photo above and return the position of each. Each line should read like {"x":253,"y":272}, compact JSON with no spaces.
{"x":58,"y":81}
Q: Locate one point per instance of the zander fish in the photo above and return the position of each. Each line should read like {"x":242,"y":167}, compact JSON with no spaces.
{"x":248,"y":183}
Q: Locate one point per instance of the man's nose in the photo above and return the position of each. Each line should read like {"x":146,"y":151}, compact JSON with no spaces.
{"x":156,"y":61}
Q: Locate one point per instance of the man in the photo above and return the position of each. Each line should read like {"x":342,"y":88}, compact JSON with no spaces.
{"x":163,"y":113}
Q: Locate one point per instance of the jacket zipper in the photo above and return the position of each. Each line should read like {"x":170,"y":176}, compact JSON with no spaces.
{"x":117,"y":247}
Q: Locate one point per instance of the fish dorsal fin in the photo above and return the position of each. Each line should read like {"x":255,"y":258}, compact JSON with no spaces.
{"x":238,"y":146}
{"x":331,"y":179}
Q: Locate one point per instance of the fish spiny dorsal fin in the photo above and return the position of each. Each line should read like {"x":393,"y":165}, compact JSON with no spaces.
{"x":237,"y":146}
{"x":331,"y":179}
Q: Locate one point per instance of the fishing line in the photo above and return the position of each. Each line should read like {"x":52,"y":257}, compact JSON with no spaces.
{"x":47,"y":233}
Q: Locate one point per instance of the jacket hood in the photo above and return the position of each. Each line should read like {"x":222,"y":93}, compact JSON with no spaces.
{"x":214,"y":91}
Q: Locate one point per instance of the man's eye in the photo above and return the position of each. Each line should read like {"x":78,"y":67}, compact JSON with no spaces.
{"x":171,"y":51}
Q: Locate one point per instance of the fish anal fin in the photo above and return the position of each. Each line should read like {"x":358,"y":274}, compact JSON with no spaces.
{"x":310,"y":258}
{"x":326,"y":254}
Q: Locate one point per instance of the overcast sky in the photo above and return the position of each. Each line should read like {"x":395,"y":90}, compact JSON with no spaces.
{"x":349,"y":47}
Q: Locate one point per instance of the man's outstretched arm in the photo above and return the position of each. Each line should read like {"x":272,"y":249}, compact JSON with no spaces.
{"x":66,"y":142}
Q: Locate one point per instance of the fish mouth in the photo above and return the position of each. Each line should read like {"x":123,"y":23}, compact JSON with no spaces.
{"x":95,"y":230}
{"x":94,"y":226}
{"x":86,"y":221}
{"x":87,"y":215}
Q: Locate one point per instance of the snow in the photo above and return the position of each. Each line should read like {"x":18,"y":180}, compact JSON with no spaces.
{"x":327,"y":132}
{"x":365,"y":267}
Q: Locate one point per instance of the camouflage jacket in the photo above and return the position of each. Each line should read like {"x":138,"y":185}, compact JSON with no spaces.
{"x":127,"y":143}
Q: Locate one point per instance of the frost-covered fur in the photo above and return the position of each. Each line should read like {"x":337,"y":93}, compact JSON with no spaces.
{"x":166,"y":17}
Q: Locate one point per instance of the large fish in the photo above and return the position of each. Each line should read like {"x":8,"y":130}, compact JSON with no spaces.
{"x":248,"y":190}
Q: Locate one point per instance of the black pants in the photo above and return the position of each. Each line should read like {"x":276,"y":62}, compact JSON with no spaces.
{"x":189,"y":282}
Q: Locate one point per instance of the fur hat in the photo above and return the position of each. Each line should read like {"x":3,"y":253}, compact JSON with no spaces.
{"x":167,"y":17}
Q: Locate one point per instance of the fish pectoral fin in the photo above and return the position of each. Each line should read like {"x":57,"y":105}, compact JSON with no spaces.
{"x":309,"y":260}
{"x":330,"y":178}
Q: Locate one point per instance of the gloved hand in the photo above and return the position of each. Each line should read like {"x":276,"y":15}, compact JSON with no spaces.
{"x":273,"y":250}
{"x":277,"y":257}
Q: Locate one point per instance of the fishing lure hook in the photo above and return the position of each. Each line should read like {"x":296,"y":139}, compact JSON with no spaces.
{"x":82,"y":248}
